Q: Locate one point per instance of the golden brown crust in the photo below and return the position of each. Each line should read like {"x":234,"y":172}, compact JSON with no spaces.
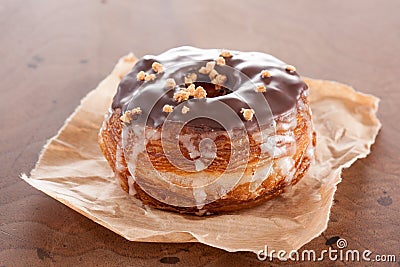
{"x":239,"y":197}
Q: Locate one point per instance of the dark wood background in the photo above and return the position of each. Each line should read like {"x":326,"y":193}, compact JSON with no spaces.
{"x":53,"y":52}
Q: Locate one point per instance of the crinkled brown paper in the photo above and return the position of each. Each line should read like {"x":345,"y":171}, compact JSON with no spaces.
{"x":72,"y":169}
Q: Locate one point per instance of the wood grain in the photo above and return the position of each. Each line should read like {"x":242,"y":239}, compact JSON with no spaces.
{"x":53,"y":52}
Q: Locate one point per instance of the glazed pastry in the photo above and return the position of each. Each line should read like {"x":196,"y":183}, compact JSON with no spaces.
{"x":206,"y":131}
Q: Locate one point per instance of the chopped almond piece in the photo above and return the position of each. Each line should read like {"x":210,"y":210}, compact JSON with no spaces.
{"x":290,"y":68}
{"x":191,"y":88}
{"x":265,"y":74}
{"x":127,"y":117}
{"x":185,"y":110}
{"x":200,"y":92}
{"x":220,"y":61}
{"x":203,"y":70}
{"x":208,"y":68}
{"x":213,"y":74}
{"x":150,"y":77}
{"x":182,"y":95}
{"x":141,"y":76}
{"x":247,"y":113}
{"x":190,"y":78}
{"x":261,"y":89}
{"x":219,"y":79}
{"x":157,"y":67}
{"x":170,"y":83}
{"x":168,"y":108}
{"x":136,"y":111}
{"x":225,"y":53}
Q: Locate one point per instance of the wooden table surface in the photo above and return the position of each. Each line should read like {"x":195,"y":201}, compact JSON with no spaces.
{"x":53,"y":52}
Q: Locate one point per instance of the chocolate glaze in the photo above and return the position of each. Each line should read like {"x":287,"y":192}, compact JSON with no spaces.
{"x":243,"y":71}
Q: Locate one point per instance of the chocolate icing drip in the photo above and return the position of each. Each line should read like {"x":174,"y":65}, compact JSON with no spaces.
{"x":243,"y":69}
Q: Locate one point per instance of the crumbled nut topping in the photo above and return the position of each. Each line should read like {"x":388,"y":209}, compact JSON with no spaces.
{"x":261,"y":89}
{"x":136,"y":111}
{"x":210,"y":65}
{"x":170,"y":83}
{"x":127,"y":117}
{"x":157,"y":67}
{"x":168,"y":108}
{"x":219,"y":79}
{"x":182,"y":95}
{"x":200,"y":92}
{"x":150,"y":77}
{"x":203,"y":70}
{"x":141,"y":76}
{"x":247,"y":113}
{"x":220,"y":61}
{"x":190,"y":78}
{"x":213,"y":74}
{"x":290,"y":68}
{"x":225,"y":53}
{"x":191,"y":88}
{"x":185,"y":110}
{"x":208,"y":68}
{"x":265,"y":74}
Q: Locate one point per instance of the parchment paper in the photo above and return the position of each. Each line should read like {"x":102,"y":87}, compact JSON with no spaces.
{"x":72,"y":169}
